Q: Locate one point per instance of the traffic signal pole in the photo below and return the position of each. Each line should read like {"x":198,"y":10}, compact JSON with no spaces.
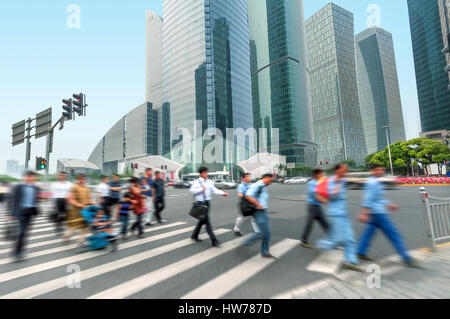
{"x":49,"y":144}
{"x":28,"y":143}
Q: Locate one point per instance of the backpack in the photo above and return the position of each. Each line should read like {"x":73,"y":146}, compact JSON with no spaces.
{"x":247,"y":208}
{"x":322,"y":188}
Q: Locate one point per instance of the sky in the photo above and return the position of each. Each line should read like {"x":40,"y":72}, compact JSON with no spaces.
{"x":44,"y":59}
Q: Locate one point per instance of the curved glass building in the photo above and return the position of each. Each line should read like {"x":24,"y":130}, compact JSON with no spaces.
{"x":280,"y":79}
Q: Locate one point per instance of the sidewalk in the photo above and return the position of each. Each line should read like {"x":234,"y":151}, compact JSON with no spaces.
{"x":396,"y":281}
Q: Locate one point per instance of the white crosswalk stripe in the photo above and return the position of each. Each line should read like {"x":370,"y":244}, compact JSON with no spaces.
{"x":220,"y":286}
{"x":43,"y":272}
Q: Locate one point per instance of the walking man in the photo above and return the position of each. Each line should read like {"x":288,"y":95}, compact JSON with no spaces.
{"x":24,"y":207}
{"x":341,"y":232}
{"x":149,"y":196}
{"x":60,"y":190}
{"x":202,"y":189}
{"x":257,"y":195}
{"x":242,"y":189}
{"x":373,"y":212}
{"x":103,"y":191}
{"x":314,"y":208}
{"x":158,"y":192}
{"x":115,"y":188}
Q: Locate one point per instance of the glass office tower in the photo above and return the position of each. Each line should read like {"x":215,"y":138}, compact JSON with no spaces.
{"x":206,"y":69}
{"x":334,"y":92}
{"x":432,"y":81}
{"x":379,"y":93}
{"x":280,"y":80}
{"x":444,"y":12}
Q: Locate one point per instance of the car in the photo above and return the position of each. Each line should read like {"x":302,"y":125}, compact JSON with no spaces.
{"x":223,"y":184}
{"x":182,"y":184}
{"x":357,"y":180}
{"x":296,"y":180}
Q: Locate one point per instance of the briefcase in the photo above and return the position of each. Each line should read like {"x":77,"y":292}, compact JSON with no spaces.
{"x":199,"y":210}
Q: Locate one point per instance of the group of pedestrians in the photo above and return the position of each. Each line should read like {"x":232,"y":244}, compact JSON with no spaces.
{"x":145,"y":198}
{"x":69,"y":200}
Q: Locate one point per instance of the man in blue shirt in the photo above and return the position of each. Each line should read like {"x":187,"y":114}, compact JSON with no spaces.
{"x":115,"y":188}
{"x":314,"y":208}
{"x":24,"y":206}
{"x":341,"y":232}
{"x":257,"y":194}
{"x":242,"y":189}
{"x":373,"y":213}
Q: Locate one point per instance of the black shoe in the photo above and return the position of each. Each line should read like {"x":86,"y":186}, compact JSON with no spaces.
{"x":413,"y":263}
{"x":365,"y":258}
{"x":305,"y":244}
{"x":140,"y":236}
{"x":269,"y":255}
{"x":216,"y":243}
{"x":148,"y":224}
{"x":198,"y":240}
{"x":351,"y":266}
{"x":238,"y":234}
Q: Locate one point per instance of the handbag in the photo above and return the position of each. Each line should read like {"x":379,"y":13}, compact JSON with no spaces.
{"x":247,"y":208}
{"x":199,"y":209}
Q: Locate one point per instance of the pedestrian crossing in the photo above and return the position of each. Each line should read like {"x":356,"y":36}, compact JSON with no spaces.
{"x":164,"y":257}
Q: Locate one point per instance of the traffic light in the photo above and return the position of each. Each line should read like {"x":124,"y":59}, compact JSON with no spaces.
{"x":68,"y":108}
{"x":327,"y":162}
{"x":80,"y":104}
{"x":320,"y":162}
{"x":41,"y":163}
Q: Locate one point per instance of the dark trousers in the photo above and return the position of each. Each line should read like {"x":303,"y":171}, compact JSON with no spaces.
{"x":24,"y":223}
{"x":60,"y":214}
{"x":207,"y":224}
{"x":138,"y":224}
{"x":106,"y":206}
{"x":159,"y":207}
{"x":314,"y":213}
{"x":124,"y":219}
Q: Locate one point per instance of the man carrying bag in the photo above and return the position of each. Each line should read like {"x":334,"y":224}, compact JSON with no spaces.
{"x":202,"y":189}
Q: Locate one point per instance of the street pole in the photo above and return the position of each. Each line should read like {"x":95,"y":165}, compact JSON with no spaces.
{"x":28,"y":146}
{"x":389,"y":149}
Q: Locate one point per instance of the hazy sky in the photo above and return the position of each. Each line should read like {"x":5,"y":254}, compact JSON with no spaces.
{"x":42,"y":61}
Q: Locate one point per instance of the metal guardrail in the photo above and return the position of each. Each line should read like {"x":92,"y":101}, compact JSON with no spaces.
{"x":436,"y":217}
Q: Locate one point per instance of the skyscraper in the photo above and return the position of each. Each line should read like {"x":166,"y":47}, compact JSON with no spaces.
{"x":334,"y":91}
{"x":432,"y":81}
{"x":154,"y":29}
{"x":444,"y":12}
{"x":206,"y":69}
{"x":379,"y":93}
{"x":280,"y":80}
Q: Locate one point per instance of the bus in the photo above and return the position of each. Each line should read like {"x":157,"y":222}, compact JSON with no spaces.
{"x":214,"y":176}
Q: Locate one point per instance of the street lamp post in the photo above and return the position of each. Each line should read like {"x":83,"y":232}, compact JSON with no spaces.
{"x":389,"y":149}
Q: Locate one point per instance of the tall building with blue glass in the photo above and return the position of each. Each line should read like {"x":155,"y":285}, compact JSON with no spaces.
{"x":432,"y":81}
{"x":206,"y":69}
{"x":280,"y":80}
{"x":336,"y":111}
{"x":379,"y":93}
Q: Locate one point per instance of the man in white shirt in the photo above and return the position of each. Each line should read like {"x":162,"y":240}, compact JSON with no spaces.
{"x":60,"y":190}
{"x":202,"y":189}
{"x":103,"y":195}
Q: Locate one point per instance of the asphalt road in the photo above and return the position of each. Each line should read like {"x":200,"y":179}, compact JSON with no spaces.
{"x":165,"y":264}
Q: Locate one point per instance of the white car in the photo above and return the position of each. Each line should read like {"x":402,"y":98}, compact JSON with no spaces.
{"x":297,"y":180}
{"x":221,"y":184}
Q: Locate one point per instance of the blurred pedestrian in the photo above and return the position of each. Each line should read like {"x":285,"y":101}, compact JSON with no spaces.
{"x":60,"y":190}
{"x":242,"y":189}
{"x":103,"y":195}
{"x":258,"y":195}
{"x":124,"y":209}
{"x":24,"y":206}
{"x":341,"y":232}
{"x":159,"y":192}
{"x":202,"y":189}
{"x":115,"y":189}
{"x":373,"y":212}
{"x":138,"y":201}
{"x":147,"y":180}
{"x":79,"y":199}
{"x":315,"y":212}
